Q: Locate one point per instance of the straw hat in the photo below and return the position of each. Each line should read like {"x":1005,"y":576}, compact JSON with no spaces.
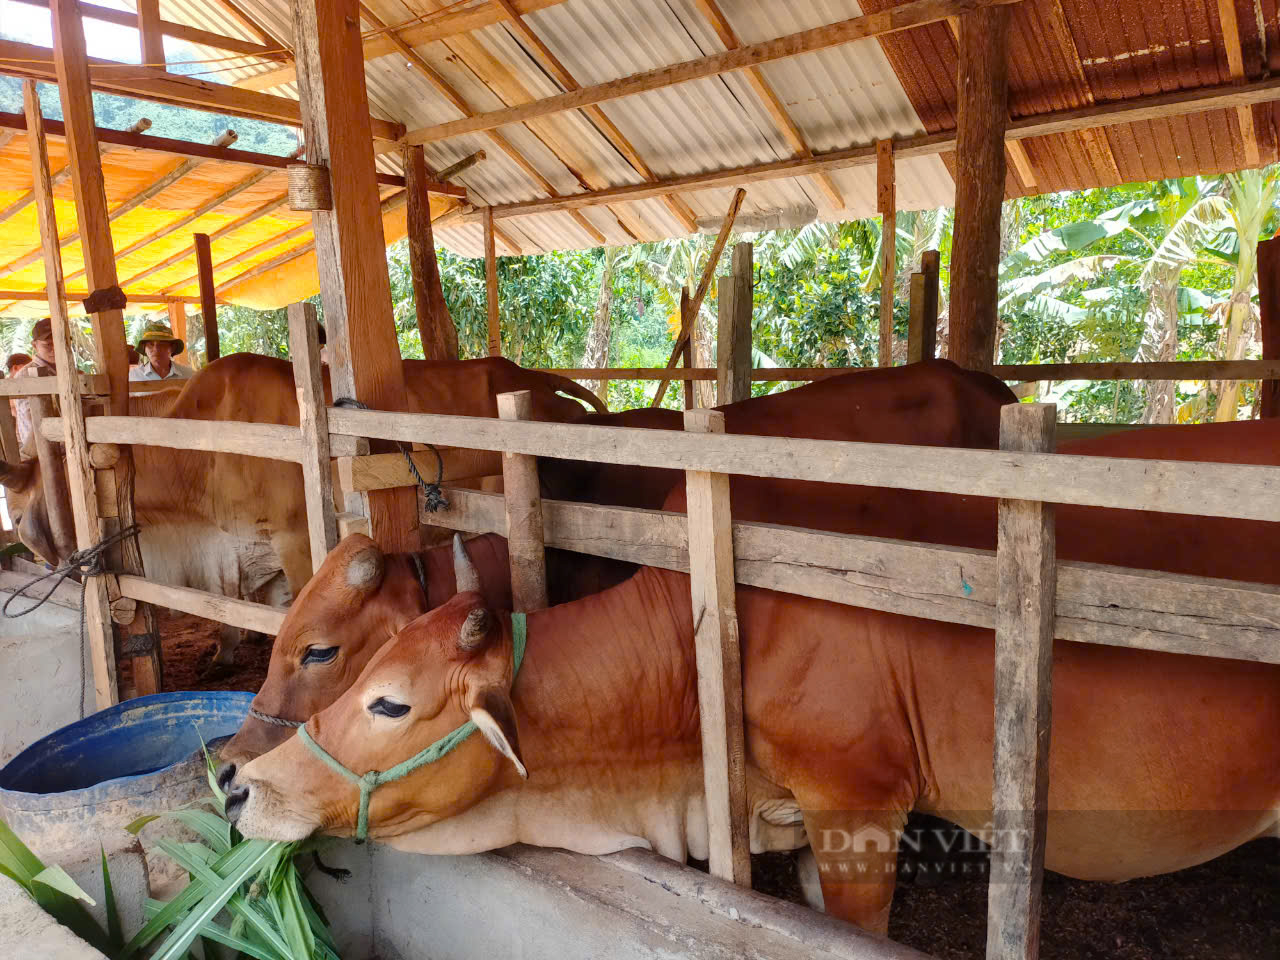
{"x":157,"y":332}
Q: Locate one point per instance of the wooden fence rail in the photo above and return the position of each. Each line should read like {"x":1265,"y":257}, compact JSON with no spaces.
{"x":267,"y":440}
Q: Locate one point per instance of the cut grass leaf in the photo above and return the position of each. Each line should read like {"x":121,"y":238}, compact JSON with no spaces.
{"x":115,"y":934}
{"x":54,"y":876}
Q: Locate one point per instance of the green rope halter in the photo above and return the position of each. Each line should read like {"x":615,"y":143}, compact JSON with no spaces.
{"x":375,"y":778}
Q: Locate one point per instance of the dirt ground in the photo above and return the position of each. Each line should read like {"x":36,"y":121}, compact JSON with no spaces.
{"x":1228,"y":909}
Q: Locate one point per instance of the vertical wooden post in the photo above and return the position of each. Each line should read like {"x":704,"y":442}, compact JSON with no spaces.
{"x":491,"y":286}
{"x":1026,"y":576}
{"x":686,"y":351}
{"x":435,"y":326}
{"x":887,"y":204}
{"x":1269,"y":307}
{"x":523,"y":497}
{"x":915,"y":325}
{"x":364,"y":354}
{"x":931,"y":267}
{"x":733,"y":348}
{"x":208,"y":305}
{"x":8,"y":433}
{"x":178,"y":324}
{"x":313,"y":421}
{"x":149,"y":34}
{"x":983,"y":95}
{"x":719,"y":660}
{"x":53,"y":480}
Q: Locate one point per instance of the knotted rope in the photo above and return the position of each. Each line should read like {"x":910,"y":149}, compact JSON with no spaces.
{"x":435,"y":499}
{"x":89,"y":562}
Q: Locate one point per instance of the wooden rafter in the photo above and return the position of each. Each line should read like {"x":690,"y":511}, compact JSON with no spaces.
{"x":247,"y":254}
{"x":769,"y":99}
{"x":149,"y":83}
{"x":434,"y":28}
{"x":913,"y":13}
{"x":597,"y":116}
{"x":238,"y":14}
{"x":459,"y":103}
{"x":159,"y":28}
{"x":1155,"y":107}
{"x":1235,"y":64}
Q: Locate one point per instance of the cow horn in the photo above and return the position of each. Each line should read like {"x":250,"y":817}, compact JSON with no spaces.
{"x":364,"y":570}
{"x":475,"y":631}
{"x":464,"y":571}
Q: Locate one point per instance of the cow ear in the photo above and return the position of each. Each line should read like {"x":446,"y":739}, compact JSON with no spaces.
{"x":17,"y":476}
{"x":364,"y":570}
{"x":492,"y":712}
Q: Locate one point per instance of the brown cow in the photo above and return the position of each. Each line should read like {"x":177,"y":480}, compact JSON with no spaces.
{"x":1157,"y":762}
{"x":206,"y":516}
{"x":935,"y":403}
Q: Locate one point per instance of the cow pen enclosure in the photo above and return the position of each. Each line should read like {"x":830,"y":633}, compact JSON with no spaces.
{"x":374,"y":163}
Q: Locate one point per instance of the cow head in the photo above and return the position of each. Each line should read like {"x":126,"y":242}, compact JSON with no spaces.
{"x":25,"y":498}
{"x":356,"y":602}
{"x":447,"y":666}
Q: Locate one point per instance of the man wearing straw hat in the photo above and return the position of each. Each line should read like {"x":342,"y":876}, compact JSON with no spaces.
{"x":159,"y":345}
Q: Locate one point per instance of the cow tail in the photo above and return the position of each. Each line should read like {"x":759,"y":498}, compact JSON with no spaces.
{"x":578,"y":392}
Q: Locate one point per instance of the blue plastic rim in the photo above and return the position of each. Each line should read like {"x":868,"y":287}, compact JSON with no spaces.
{"x":129,"y":741}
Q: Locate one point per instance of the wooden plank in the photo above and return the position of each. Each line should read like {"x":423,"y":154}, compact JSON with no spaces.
{"x":733,"y":353}
{"x":361,"y":335}
{"x":382,"y":471}
{"x":47,"y":386}
{"x":887,"y":205}
{"x":523,"y":499}
{"x":438,"y":27}
{"x":239,"y":613}
{"x":1269,"y":321}
{"x":1095,"y":603}
{"x":1155,"y":107}
{"x":686,"y":352}
{"x":150,"y":34}
{"x":704,"y":284}
{"x":982,"y":114}
{"x":317,"y":475}
{"x":208,"y":304}
{"x":270,"y":441}
{"x":148,"y":83}
{"x":901,"y":17}
{"x":240,"y":16}
{"x":1235,"y":66}
{"x":9,"y":447}
{"x":53,"y":478}
{"x":79,"y":473}
{"x":436,"y":328}
{"x":204,"y":151}
{"x":491,"y":288}
{"x":719,"y":662}
{"x":1246,"y":491}
{"x":915,"y":325}
{"x":178,"y":324}
{"x":931,"y":267}
{"x":1026,"y":591}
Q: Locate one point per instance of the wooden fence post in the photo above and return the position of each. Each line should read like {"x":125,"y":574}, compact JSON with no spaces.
{"x":523,"y":498}
{"x":178,"y":324}
{"x":8,"y":433}
{"x":1269,"y":308}
{"x":1026,"y":587}
{"x":733,"y":350}
{"x":313,"y":420}
{"x":208,"y":305}
{"x":887,"y":204}
{"x":686,"y":351}
{"x":915,"y":325}
{"x":719,"y":660}
{"x":931,"y":267}
{"x":491,"y":286}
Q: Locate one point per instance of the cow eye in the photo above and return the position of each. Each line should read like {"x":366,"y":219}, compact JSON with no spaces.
{"x":382,"y":707}
{"x":319,"y":655}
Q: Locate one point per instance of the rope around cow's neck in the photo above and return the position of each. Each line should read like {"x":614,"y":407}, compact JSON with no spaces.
{"x":370,"y":781}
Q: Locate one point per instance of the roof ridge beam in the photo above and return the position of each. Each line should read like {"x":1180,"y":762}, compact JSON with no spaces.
{"x":914,"y":13}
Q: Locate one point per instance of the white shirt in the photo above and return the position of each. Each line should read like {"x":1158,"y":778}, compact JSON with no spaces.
{"x":177,"y":371}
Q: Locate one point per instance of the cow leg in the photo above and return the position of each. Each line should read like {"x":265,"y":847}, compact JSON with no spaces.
{"x":857,"y":856}
{"x":294,"y":551}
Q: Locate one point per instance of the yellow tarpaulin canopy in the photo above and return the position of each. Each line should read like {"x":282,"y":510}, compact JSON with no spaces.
{"x":239,"y":256}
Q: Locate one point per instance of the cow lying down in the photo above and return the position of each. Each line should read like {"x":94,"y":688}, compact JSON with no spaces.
{"x":854,"y":717}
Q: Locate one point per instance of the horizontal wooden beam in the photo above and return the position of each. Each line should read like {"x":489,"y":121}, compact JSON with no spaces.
{"x":913,"y":13}
{"x":42,"y":296}
{"x":151,"y":83}
{"x":203,"y":151}
{"x":436,"y":27}
{"x":239,"y":613}
{"x":1095,"y":603}
{"x":270,"y":441}
{"x":179,"y":31}
{"x":94,"y":384}
{"x":1158,"y":106}
{"x":1245,"y":491}
{"x":385,"y":471}
{"x":1121,"y":370}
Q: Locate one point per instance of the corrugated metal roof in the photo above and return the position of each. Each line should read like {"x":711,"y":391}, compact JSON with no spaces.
{"x":1065,"y":54}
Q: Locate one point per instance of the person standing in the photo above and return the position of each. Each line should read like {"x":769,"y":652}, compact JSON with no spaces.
{"x":159,"y":345}
{"x":43,"y":364}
